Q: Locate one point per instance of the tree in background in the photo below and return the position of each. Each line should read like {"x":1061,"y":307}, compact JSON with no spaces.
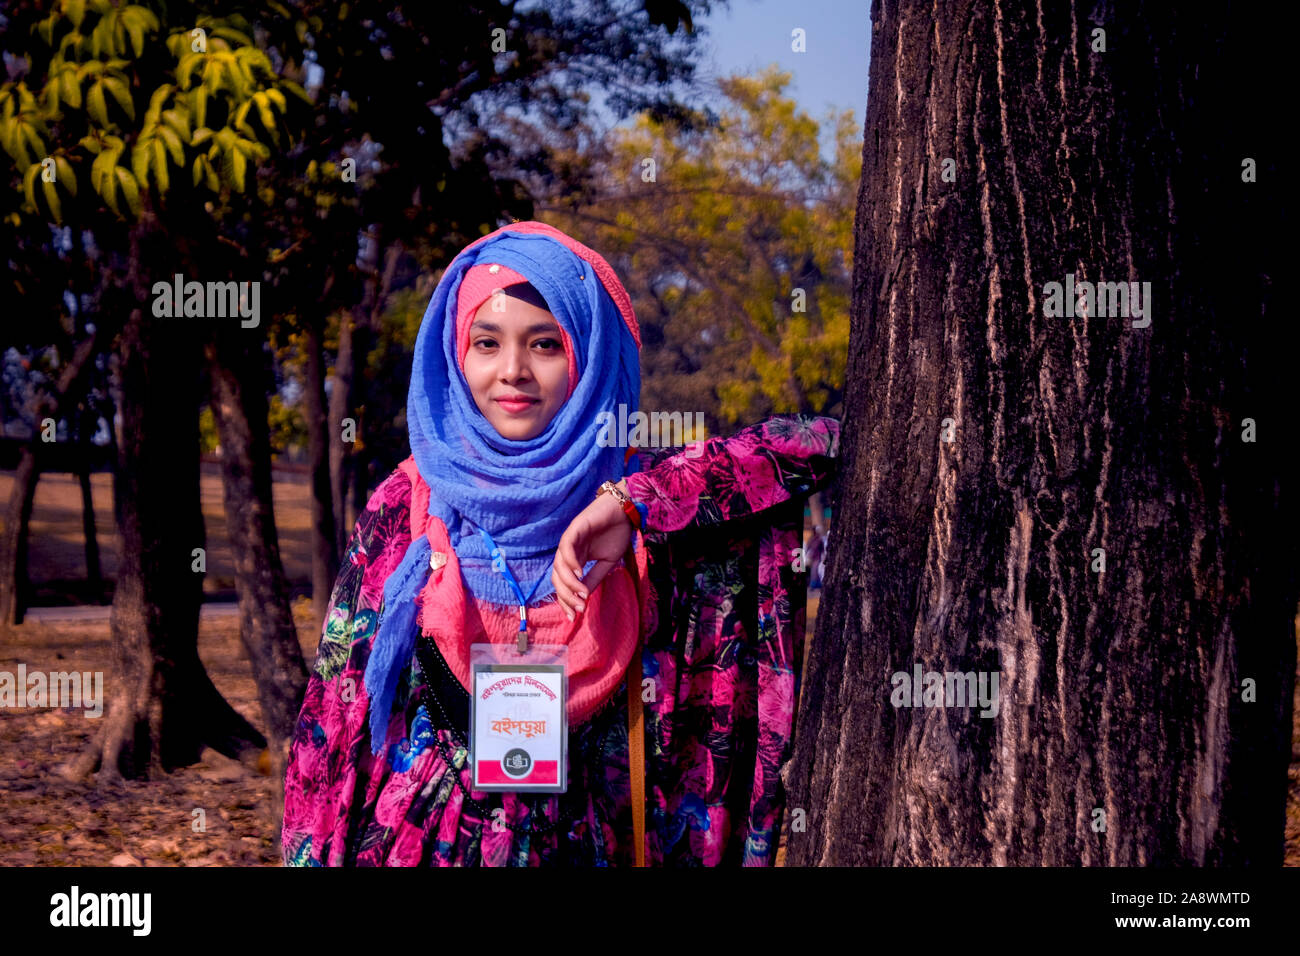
{"x":435,"y":164}
{"x":177,"y":140}
{"x":141,"y":136}
{"x":734,"y":239}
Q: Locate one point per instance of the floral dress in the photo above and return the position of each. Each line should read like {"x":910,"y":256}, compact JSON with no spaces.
{"x":723,"y":646}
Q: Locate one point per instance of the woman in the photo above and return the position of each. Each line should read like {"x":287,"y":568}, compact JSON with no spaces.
{"x":528,"y":339}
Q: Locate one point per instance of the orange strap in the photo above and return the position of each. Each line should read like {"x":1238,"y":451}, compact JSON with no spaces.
{"x":636,"y":721}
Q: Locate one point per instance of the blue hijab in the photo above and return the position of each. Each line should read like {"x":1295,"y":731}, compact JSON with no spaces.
{"x":523,"y":493}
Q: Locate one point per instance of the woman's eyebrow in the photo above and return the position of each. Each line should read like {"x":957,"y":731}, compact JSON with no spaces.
{"x":536,"y":327}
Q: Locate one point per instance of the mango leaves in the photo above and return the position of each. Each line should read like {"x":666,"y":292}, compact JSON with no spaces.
{"x":214,"y":110}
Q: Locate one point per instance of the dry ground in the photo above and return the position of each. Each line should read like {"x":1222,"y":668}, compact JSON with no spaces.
{"x":47,"y":821}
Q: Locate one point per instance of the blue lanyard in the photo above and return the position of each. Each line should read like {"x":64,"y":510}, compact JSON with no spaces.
{"x":499,"y":564}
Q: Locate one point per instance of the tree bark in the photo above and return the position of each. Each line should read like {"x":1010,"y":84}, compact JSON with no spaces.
{"x":993,"y":451}
{"x":161,"y":707}
{"x":341,"y":407}
{"x":325,"y":553}
{"x":240,"y":408}
{"x":14,"y":582}
{"x":347,"y":396}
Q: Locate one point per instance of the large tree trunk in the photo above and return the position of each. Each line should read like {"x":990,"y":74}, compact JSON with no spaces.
{"x":1144,"y":712}
{"x":325,"y":553}
{"x":162,"y":708}
{"x":267,"y":629}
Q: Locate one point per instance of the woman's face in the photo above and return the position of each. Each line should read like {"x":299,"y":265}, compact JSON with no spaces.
{"x":515,"y":351}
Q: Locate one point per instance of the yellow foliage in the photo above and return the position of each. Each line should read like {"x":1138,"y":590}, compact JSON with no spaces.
{"x":737,"y":219}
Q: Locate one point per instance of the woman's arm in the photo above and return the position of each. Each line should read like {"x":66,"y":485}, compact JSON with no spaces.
{"x":721,"y":479}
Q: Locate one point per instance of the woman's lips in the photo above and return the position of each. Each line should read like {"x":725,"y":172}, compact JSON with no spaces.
{"x":515,"y":408}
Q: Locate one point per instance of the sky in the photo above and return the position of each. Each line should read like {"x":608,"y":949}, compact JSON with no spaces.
{"x":747,"y":35}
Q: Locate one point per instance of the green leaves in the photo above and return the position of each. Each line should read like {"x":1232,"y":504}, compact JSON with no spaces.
{"x":111,"y":79}
{"x":101,"y":168}
{"x":263,"y":101}
{"x":164,"y":135}
{"x":239,"y":72}
{"x":98,"y":67}
{"x":29,"y":182}
{"x":129,"y":189}
{"x":74,"y":10}
{"x":199,"y":101}
{"x":96,"y":106}
{"x":63,"y":175}
{"x":21,"y":124}
{"x":118,"y":24}
{"x":203,"y":171}
{"x":63,"y":86}
{"x":107,"y":177}
{"x":121,"y":93}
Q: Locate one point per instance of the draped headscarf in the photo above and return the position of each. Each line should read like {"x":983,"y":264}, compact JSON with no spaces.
{"x":523,"y":493}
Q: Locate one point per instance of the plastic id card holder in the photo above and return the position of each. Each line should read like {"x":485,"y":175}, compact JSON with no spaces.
{"x":519,"y":728}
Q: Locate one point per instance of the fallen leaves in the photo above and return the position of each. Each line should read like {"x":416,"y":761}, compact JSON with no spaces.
{"x":48,"y":821}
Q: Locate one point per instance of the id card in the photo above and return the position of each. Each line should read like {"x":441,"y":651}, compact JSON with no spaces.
{"x":519,"y":729}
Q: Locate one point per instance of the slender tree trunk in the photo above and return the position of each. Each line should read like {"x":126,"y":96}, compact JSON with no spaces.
{"x":359,"y":467}
{"x":94,"y":575}
{"x":162,"y":708}
{"x":325,"y":554}
{"x":1091,"y":509}
{"x":240,"y":408}
{"x":341,"y":428}
{"x":356,"y":333}
{"x":14,"y":583}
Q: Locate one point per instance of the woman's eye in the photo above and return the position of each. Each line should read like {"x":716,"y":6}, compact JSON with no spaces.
{"x":484,"y":343}
{"x":550,"y":344}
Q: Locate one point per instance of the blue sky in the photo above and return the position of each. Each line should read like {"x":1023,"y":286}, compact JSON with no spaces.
{"x":744,"y":36}
{"x":750,"y":34}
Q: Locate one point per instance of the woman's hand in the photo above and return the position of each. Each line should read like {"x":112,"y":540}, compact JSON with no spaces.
{"x":600,"y":533}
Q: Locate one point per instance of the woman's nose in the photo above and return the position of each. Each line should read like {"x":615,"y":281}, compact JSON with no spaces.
{"x":514,"y":362}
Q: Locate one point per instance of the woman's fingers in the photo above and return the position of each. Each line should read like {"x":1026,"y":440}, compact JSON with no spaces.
{"x":560,"y":593}
{"x":601,"y":529}
{"x":567,"y":574}
{"x":597,"y":573}
{"x":570,"y":564}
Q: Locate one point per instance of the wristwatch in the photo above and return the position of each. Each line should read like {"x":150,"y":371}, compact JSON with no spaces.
{"x":629,"y":507}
